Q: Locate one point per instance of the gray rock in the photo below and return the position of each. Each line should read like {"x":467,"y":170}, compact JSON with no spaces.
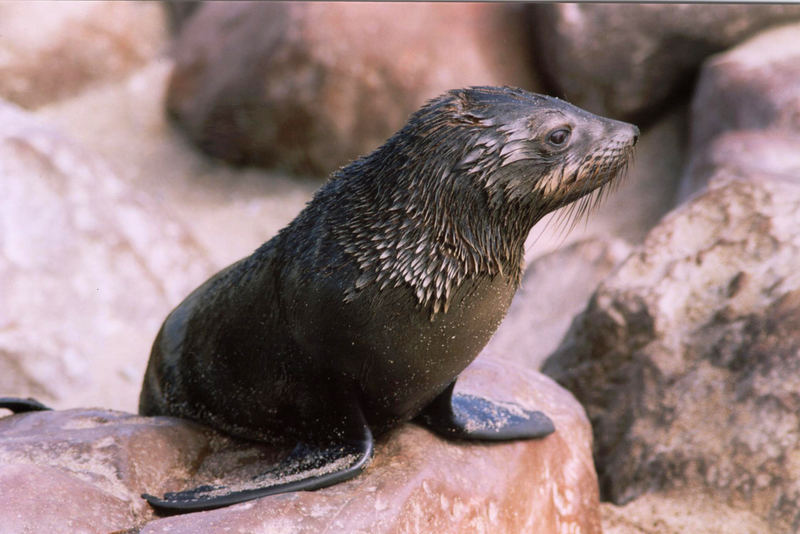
{"x":309,"y":86}
{"x":687,"y":358}
{"x":679,"y":513}
{"x":627,"y":60}
{"x":89,"y":267}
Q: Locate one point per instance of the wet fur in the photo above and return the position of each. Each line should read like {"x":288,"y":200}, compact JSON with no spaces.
{"x":390,"y":281}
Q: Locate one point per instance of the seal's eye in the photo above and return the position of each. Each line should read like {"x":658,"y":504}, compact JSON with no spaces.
{"x":558,"y":137}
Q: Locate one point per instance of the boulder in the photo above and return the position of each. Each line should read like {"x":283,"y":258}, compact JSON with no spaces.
{"x":53,"y":50}
{"x":627,"y":61}
{"x":89,"y":267}
{"x":306,"y":87}
{"x":679,"y":513}
{"x":754,"y":86}
{"x":743,"y":154}
{"x":417,"y":482}
{"x":84,"y":470}
{"x":749,"y":96}
{"x":179,"y":12}
{"x":228,"y":211}
{"x":687,"y":358}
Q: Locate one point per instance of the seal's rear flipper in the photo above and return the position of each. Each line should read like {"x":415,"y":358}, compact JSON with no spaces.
{"x":471,"y":417}
{"x":18,"y":405}
{"x":306,"y":468}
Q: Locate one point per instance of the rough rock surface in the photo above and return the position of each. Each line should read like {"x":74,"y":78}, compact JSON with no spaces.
{"x":681,"y":512}
{"x":88,"y":269}
{"x":417,"y":482}
{"x":627,"y":60}
{"x":687,"y":359}
{"x":555,"y":287}
{"x":309,"y":86}
{"x":60,"y":48}
{"x":753,"y":89}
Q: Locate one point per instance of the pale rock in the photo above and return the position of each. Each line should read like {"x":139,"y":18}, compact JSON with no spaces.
{"x":745,"y":110}
{"x":53,"y":50}
{"x":89,"y":267}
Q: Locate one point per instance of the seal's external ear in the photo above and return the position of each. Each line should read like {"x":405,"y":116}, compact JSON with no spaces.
{"x":465,"y":111}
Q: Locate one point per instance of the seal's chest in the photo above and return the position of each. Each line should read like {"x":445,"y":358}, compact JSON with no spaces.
{"x":415,"y":355}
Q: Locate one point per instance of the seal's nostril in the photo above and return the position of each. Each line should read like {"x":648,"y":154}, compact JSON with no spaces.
{"x":635,"y":134}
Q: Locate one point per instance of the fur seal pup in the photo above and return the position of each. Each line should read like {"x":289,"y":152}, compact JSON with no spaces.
{"x":361,"y":313}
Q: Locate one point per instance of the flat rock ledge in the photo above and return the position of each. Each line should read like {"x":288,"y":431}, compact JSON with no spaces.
{"x":86,"y":469}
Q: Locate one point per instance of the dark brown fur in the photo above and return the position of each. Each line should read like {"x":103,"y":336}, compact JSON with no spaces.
{"x":390,"y":281}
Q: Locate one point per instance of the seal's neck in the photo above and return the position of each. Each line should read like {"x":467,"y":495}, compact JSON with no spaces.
{"x":431,"y":239}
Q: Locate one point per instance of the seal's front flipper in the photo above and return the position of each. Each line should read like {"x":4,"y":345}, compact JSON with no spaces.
{"x":306,"y":468}
{"x":470,"y":417}
{"x":18,"y":405}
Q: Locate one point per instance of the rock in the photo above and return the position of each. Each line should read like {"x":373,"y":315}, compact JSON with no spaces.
{"x":74,"y":45}
{"x":68,"y":502}
{"x":743,"y":154}
{"x":687,"y":358}
{"x":677,"y":514}
{"x":554,"y":289}
{"x":417,"y":481}
{"x":179,"y":12}
{"x":89,"y":267}
{"x":627,"y":61}
{"x":752,"y":88}
{"x":420,"y":483}
{"x":87,"y":468}
{"x":228,"y":211}
{"x":309,"y":86}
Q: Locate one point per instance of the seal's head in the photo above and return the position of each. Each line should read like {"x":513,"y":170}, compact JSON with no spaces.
{"x":525,"y":148}
{"x":456,"y":191}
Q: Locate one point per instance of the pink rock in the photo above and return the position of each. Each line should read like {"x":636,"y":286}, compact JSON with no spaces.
{"x":417,"y":482}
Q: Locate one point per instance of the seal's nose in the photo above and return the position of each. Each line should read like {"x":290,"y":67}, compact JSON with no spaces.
{"x":635,"y":133}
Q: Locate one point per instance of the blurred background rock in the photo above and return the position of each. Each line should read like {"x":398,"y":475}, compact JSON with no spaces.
{"x":145,"y":145}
